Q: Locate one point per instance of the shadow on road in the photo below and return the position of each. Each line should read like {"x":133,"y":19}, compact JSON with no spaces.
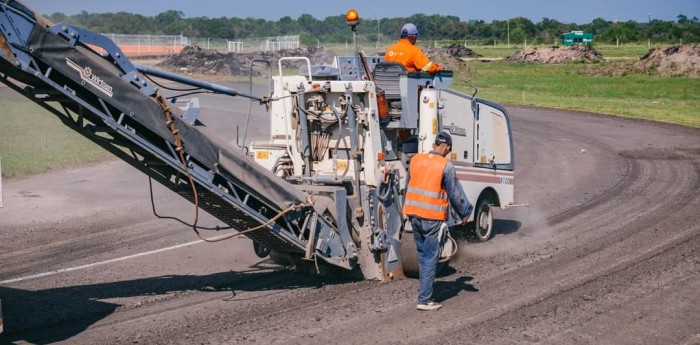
{"x":505,"y":226}
{"x":445,"y":290}
{"x":52,"y":315}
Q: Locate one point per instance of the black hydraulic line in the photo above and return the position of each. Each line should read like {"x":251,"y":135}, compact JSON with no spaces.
{"x":200,"y":91}
{"x":354,"y":150}
{"x":385,"y":189}
{"x":170,"y":88}
{"x":337,"y":143}
{"x":304,"y":134}
{"x":153,"y":208}
{"x":194,"y":82}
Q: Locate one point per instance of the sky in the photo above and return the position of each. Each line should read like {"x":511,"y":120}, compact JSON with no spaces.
{"x":566,"y":11}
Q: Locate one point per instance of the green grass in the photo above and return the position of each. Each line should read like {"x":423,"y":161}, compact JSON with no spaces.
{"x":33,"y":141}
{"x":626,"y":51}
{"x":634,"y":51}
{"x":672,"y":100}
{"x":500,"y":51}
{"x":611,"y":51}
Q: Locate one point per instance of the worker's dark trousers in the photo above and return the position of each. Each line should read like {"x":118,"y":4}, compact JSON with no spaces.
{"x":425,"y":232}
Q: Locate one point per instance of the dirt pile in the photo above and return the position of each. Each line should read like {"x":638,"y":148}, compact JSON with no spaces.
{"x":557,"y":55}
{"x":676,"y":61}
{"x":201,"y":61}
{"x":196,"y":60}
{"x":450,"y":57}
{"x":460,"y":51}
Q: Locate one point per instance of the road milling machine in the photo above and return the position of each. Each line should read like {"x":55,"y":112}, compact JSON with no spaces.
{"x":326,"y":188}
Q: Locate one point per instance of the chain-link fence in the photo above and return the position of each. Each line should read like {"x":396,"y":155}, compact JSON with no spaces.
{"x":161,"y":45}
{"x":149,"y":45}
{"x":247,"y":45}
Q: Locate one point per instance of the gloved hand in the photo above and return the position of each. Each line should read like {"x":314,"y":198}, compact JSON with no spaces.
{"x":442,"y":234}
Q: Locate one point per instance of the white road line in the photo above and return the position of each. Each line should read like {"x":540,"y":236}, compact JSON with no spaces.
{"x":63,"y":270}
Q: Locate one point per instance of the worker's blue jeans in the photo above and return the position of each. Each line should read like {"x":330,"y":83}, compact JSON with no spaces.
{"x":425,"y":232}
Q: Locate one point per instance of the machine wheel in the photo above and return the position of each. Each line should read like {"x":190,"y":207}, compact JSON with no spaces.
{"x":260,"y":250}
{"x":409,"y":255}
{"x":282,"y":259}
{"x":483,"y":221}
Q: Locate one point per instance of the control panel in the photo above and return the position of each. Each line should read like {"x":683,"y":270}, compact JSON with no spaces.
{"x":350,"y":67}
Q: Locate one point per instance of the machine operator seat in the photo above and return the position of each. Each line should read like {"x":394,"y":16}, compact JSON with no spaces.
{"x":387,"y":75}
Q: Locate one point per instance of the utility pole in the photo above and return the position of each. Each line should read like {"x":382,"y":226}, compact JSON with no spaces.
{"x":377,"y":46}
{"x":649,"y":28}
{"x":0,"y":206}
{"x":508,"y":32}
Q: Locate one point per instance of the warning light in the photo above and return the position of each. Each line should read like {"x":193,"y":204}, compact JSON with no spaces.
{"x":352,"y":18}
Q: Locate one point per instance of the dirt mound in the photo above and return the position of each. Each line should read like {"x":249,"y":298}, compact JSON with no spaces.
{"x":196,"y":60}
{"x":450,"y":57}
{"x":675,"y":61}
{"x":557,"y":55}
{"x":460,"y":51}
{"x":201,"y":61}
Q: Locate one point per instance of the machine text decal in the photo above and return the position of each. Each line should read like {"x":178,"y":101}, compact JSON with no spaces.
{"x":454,"y":130}
{"x":88,"y":77}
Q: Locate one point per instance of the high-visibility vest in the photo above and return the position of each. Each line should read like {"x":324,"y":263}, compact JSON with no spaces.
{"x":425,"y":197}
{"x":411,"y":57}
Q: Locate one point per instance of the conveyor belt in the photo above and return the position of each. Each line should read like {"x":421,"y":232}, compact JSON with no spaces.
{"x":105,"y":98}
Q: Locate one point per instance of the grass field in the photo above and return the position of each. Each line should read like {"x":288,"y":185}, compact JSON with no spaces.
{"x":33,"y":141}
{"x":626,"y":51}
{"x":629,"y":51}
{"x":673,"y":100}
{"x":635,"y":51}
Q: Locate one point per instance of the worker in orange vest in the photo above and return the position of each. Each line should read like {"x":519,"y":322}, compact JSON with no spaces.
{"x":431,"y":186}
{"x":406,"y":53}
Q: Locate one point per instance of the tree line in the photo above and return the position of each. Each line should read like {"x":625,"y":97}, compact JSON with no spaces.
{"x":432,"y":27}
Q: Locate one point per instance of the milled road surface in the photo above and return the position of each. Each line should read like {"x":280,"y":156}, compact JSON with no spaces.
{"x":607,"y":253}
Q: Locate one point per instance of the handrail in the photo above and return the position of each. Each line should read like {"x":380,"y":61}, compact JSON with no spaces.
{"x":288,"y":58}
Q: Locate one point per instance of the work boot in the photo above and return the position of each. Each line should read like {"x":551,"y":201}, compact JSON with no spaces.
{"x":429,"y":306}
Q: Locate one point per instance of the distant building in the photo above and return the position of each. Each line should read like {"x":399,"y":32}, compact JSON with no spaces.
{"x":577,"y":37}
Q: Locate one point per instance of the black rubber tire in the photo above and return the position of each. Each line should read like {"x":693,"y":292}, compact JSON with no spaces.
{"x":409,"y":255}
{"x":282,"y":259}
{"x":483,"y":221}
{"x":260,"y":250}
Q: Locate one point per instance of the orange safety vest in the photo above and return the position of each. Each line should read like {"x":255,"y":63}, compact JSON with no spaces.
{"x":410,"y":56}
{"x":425,"y":197}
